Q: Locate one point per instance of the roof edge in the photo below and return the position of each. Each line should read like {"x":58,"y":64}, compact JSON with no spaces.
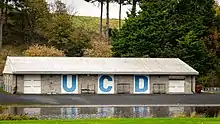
{"x":8,"y":63}
{"x":114,"y":73}
{"x":188,"y":66}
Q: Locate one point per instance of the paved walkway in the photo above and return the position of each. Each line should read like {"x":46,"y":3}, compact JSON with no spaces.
{"x":110,"y":99}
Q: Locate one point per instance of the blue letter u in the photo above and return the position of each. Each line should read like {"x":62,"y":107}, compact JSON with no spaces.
{"x":65,"y":83}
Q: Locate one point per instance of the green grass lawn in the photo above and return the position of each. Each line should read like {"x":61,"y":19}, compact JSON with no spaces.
{"x":122,"y":121}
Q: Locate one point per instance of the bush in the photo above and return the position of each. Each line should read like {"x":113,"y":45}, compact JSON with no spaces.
{"x":42,"y":50}
{"x":99,"y":49}
{"x":16,"y":117}
{"x":2,"y":108}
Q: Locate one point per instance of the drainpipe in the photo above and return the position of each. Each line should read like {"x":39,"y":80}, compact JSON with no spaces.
{"x":192,"y":86}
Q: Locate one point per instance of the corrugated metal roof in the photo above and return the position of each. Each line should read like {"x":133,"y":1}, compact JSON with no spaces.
{"x":93,"y":65}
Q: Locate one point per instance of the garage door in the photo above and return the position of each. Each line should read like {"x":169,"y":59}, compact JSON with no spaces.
{"x":32,"y":84}
{"x":176,"y":86}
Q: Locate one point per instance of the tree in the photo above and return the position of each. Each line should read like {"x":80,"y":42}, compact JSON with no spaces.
{"x":101,"y":16}
{"x":133,"y":10}
{"x":1,"y":25}
{"x":37,"y":18}
{"x":42,"y":50}
{"x":62,"y":35}
{"x":169,"y":29}
{"x":107,"y":20}
{"x":107,"y":15}
{"x":120,"y":4}
{"x":25,"y":20}
{"x":58,"y":7}
{"x":2,"y":19}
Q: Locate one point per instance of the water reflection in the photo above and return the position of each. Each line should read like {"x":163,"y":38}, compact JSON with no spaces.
{"x":106,"y":112}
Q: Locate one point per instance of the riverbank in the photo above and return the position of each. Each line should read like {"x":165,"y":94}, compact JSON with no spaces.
{"x":125,"y":121}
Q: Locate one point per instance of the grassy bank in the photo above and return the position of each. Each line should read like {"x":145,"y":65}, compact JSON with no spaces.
{"x":92,"y":23}
{"x":122,"y":121}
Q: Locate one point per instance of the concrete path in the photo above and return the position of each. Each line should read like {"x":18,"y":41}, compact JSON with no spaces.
{"x":110,"y":99}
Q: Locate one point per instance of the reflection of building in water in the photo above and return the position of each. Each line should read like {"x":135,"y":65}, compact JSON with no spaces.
{"x":175,"y":110}
{"x":159,"y":111}
{"x":32,"y":111}
{"x":50,"y":111}
{"x":141,"y":112}
{"x":69,"y":112}
{"x":91,"y":112}
{"x":170,"y":111}
{"x":106,"y":111}
{"x":208,"y":111}
{"x":123,"y":112}
{"x":14,"y":111}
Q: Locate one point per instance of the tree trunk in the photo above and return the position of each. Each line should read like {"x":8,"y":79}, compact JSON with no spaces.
{"x":6,"y":12}
{"x":1,"y":25}
{"x":120,"y":2}
{"x":133,"y":11}
{"x":107,"y":20}
{"x":101,"y":19}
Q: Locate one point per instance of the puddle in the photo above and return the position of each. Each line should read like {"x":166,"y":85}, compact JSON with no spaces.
{"x":108,"y":112}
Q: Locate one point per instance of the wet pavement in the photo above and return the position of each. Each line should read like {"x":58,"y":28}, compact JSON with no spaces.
{"x":117,"y":99}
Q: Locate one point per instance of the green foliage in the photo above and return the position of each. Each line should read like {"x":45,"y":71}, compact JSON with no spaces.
{"x":65,"y":37}
{"x":16,"y":117}
{"x":170,"y":29}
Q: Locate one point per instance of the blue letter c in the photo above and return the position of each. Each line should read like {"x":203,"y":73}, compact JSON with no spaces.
{"x":101,"y":83}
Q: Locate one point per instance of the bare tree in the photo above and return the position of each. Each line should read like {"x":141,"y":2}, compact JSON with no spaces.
{"x":101,"y":16}
{"x":120,"y":4}
{"x":134,"y":4}
{"x":71,"y":10}
{"x":107,"y":20}
{"x":1,"y":25}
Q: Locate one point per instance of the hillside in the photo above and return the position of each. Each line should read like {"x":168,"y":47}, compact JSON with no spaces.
{"x":90,"y":23}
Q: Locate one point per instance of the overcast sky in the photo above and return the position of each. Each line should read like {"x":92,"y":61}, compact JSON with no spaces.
{"x":88,"y":9}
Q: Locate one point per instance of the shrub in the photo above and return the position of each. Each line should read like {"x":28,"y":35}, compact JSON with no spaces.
{"x":98,"y":49}
{"x":42,"y":50}
{"x":2,"y":108}
{"x":16,"y":117}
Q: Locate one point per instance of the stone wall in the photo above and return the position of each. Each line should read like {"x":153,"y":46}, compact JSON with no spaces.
{"x":8,"y":82}
{"x":163,"y":82}
{"x":50,"y":84}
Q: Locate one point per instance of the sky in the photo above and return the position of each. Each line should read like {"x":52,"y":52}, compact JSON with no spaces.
{"x":88,"y":9}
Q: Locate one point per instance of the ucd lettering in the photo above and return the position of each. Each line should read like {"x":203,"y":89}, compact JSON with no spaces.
{"x":106,"y":84}
{"x":71,"y":81}
{"x":141,"y":84}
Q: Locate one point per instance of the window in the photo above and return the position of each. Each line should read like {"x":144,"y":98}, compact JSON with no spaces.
{"x":159,"y":88}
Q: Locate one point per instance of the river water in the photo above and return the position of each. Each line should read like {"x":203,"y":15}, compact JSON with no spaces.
{"x":109,"y":112}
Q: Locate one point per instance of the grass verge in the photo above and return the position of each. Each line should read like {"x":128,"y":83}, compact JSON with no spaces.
{"x":122,"y":121}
